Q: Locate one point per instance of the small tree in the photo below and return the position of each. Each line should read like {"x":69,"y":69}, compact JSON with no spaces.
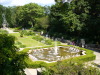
{"x":22,"y":33}
{"x":11,"y":61}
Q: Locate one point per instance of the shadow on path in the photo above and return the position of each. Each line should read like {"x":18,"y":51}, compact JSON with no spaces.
{"x":95,"y":49}
{"x":97,"y":65}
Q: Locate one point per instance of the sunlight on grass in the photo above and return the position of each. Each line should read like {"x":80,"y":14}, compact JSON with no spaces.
{"x":27,"y":40}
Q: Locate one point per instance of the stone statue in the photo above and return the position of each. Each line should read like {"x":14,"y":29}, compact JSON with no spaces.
{"x":83,"y":42}
{"x":4,"y":24}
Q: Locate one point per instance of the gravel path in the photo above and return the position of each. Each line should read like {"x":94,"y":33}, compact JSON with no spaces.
{"x":10,"y":31}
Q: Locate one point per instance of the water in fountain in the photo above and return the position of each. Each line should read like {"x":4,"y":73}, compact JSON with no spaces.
{"x":50,"y":55}
{"x":55,"y":48}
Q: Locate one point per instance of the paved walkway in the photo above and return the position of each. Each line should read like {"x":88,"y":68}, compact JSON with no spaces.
{"x":9,"y":30}
{"x":97,"y":60}
{"x":97,"y":53}
{"x":30,"y":71}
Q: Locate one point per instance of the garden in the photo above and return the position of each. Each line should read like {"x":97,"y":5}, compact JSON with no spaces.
{"x":49,"y":37}
{"x":31,"y":41}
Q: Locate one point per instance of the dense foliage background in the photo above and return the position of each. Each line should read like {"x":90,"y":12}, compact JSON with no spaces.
{"x":74,"y":20}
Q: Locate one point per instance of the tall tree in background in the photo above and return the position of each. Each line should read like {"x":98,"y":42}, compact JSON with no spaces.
{"x":8,"y":16}
{"x":1,"y":12}
{"x":11,"y":16}
{"x":93,"y":23}
{"x":80,"y":10}
{"x":27,"y":14}
{"x":77,"y":19}
{"x":56,"y":17}
{"x":73,"y":19}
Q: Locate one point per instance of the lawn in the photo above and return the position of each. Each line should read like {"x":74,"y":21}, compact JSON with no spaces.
{"x":27,"y":40}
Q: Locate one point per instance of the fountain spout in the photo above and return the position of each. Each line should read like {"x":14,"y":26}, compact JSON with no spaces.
{"x":55,"y":48}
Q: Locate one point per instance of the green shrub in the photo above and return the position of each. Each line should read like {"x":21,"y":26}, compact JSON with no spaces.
{"x":38,"y":38}
{"x":19,"y":44}
{"x":16,"y":30}
{"x":3,"y":31}
{"x":22,"y":46}
{"x":28,"y":33}
{"x":58,"y":42}
{"x":25,"y":50}
{"x":70,"y":68}
{"x":35,"y":64}
{"x":22,"y":32}
{"x":48,"y":42}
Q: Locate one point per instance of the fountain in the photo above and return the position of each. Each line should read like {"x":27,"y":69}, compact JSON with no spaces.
{"x":56,"y":48}
{"x":54,"y":54}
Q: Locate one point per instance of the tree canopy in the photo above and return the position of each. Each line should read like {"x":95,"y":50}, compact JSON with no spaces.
{"x":11,"y":61}
{"x":72,"y":19}
{"x":77,"y":19}
{"x":27,"y":14}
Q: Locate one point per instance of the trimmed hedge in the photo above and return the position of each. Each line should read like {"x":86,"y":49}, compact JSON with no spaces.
{"x":45,"y":40}
{"x":35,"y":64}
{"x":25,"y":50}
{"x":84,"y":58}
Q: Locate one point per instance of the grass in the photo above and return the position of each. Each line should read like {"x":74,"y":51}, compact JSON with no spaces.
{"x":27,"y":40}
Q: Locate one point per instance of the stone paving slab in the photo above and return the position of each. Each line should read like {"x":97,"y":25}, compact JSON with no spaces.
{"x":97,"y":60}
{"x":30,"y":71}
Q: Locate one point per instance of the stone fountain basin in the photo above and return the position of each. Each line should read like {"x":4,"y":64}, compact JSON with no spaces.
{"x":49,"y":55}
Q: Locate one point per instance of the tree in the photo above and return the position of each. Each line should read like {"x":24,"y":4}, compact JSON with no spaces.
{"x":57,"y":13}
{"x":41,"y":24}
{"x":11,"y":61}
{"x":1,"y":11}
{"x":69,"y":19}
{"x":27,"y":14}
{"x":11,"y":16}
{"x":93,"y":22}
